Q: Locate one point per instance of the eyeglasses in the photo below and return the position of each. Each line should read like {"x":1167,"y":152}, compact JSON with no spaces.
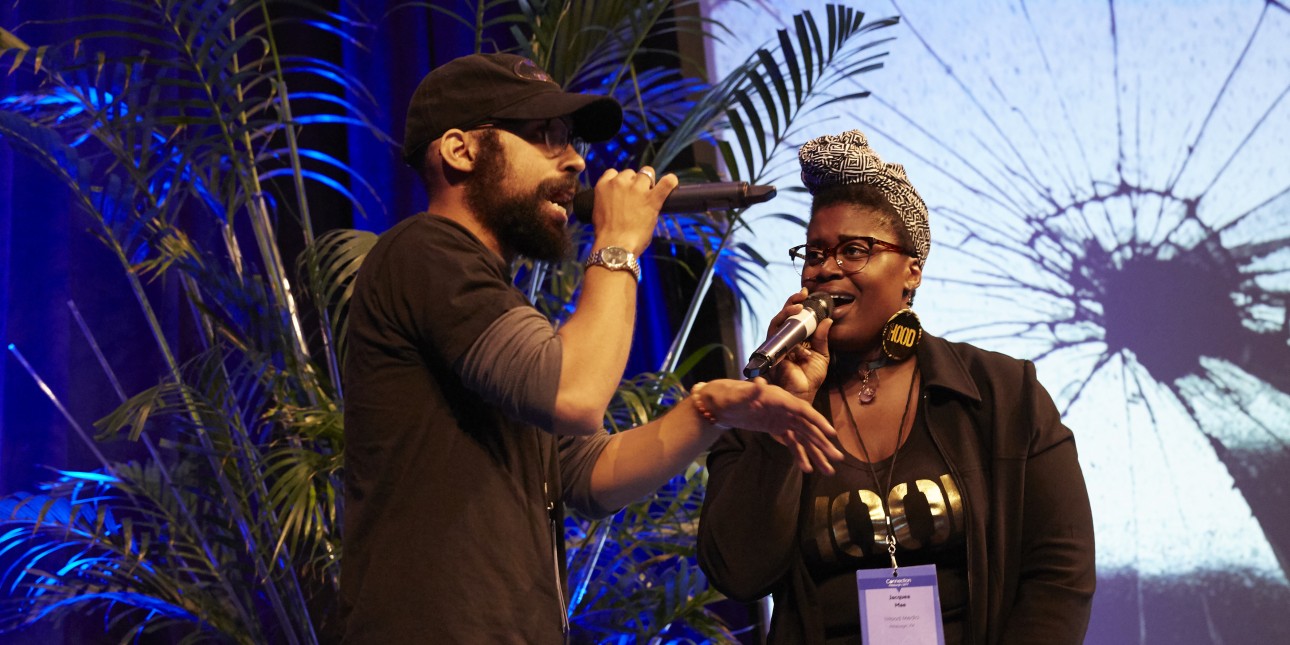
{"x":554,"y":135}
{"x":851,"y":255}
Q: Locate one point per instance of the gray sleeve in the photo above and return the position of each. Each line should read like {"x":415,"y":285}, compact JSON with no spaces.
{"x":577,"y":457}
{"x":515,"y":365}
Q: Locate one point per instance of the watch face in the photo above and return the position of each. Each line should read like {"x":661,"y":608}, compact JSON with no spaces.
{"x":615,"y":256}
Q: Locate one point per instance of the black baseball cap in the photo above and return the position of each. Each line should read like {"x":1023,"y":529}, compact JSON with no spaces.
{"x":475,"y":89}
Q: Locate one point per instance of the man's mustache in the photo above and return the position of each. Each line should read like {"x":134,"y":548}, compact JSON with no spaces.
{"x":550,"y":187}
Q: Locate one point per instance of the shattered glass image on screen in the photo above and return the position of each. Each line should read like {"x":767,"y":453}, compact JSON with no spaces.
{"x":1109,"y":186}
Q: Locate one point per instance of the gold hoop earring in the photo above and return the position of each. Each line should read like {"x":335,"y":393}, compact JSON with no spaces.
{"x":901,"y":334}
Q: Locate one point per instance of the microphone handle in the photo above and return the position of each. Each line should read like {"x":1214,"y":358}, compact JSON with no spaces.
{"x":691,"y":198}
{"x":794,"y":330}
{"x":817,"y":307}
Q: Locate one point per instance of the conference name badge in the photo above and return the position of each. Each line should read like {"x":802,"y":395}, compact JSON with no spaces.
{"x":904,"y":609}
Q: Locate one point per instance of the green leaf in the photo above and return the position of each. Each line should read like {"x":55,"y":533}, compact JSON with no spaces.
{"x":8,"y":42}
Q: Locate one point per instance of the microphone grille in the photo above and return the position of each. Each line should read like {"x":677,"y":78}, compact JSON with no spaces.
{"x":820,"y":303}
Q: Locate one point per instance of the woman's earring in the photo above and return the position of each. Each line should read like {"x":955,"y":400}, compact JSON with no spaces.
{"x":901,"y":334}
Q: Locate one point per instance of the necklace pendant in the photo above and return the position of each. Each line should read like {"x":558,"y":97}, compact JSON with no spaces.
{"x":867,"y":393}
{"x":868,"y":384}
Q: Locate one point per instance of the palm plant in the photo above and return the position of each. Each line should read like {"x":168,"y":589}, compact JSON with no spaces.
{"x":228,"y":529}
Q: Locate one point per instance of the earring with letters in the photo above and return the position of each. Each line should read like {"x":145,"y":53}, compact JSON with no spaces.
{"x":901,"y":334}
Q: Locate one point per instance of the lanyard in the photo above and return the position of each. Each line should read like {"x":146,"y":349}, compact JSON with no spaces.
{"x":886,"y":490}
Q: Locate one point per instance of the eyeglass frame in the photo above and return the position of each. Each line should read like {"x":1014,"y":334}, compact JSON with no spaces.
{"x":580,"y":145}
{"x":873,"y":242}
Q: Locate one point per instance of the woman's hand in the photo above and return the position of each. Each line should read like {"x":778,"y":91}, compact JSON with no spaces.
{"x":761,"y":407}
{"x":803,"y":369}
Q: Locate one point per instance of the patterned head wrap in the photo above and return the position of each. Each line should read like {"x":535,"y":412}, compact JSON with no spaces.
{"x":847,"y":159}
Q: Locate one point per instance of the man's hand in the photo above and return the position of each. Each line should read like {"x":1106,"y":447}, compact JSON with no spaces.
{"x":627,"y":204}
{"x":761,"y":407}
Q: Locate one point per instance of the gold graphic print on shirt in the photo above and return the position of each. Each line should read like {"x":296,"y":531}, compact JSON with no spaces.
{"x":853,"y":524}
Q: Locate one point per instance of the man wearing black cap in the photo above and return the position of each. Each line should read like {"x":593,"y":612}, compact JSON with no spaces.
{"x":469,"y":420}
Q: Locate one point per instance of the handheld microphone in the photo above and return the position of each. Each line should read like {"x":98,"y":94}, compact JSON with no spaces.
{"x":691,"y":198}
{"x":796,"y":329}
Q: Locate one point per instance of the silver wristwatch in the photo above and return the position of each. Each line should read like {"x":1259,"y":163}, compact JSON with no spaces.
{"x":615,"y":258}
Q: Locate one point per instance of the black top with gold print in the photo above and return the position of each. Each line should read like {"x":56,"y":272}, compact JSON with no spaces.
{"x":844,"y":529}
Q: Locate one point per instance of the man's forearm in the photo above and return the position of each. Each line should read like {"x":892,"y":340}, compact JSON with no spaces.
{"x":596,"y":342}
{"x":637,"y":461}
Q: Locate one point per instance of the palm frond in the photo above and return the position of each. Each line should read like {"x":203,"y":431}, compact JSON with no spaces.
{"x":782,"y":82}
{"x":638,"y":578}
{"x":166,"y":112}
{"x":584,"y":42}
{"x":761,"y":99}
{"x":327,"y":269}
{"x":262,"y":473}
{"x":68,"y":549}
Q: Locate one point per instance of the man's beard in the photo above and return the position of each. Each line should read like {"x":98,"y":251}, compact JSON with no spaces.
{"x":516,"y":220}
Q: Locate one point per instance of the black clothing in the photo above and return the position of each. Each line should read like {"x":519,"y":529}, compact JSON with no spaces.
{"x":843,"y":529}
{"x":1029,"y":529}
{"x":451,"y":479}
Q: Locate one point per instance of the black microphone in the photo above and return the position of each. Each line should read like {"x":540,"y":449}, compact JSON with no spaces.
{"x":796,"y":329}
{"x":691,"y":198}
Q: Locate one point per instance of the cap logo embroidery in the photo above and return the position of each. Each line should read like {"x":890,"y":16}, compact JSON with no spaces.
{"x":527,"y":69}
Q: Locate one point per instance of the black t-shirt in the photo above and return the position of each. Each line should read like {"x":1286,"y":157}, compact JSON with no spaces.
{"x":447,"y":534}
{"x":843,"y":529}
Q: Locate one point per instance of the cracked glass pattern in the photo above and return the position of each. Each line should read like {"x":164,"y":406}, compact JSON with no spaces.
{"x":1109,"y":188}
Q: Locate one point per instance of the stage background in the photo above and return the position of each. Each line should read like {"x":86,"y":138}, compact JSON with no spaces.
{"x":1110,"y":196}
{"x":1109,"y":188}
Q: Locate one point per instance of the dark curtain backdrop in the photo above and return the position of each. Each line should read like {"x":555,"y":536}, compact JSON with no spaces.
{"x":48,"y":260}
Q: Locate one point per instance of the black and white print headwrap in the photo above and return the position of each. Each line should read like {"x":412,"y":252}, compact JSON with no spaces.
{"x":847,"y":159}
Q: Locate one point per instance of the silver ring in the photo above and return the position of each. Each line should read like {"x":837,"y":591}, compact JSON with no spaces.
{"x":649,"y":173}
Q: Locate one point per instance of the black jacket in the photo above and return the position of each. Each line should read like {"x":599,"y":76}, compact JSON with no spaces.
{"x":1031,"y":571}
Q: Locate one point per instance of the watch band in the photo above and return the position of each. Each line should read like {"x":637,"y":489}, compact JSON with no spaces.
{"x":615,"y":258}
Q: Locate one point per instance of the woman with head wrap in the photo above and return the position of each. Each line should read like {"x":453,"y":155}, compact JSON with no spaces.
{"x":956,"y":459}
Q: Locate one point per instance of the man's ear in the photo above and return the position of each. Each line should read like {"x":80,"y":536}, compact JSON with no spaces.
{"x":457,"y":151}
